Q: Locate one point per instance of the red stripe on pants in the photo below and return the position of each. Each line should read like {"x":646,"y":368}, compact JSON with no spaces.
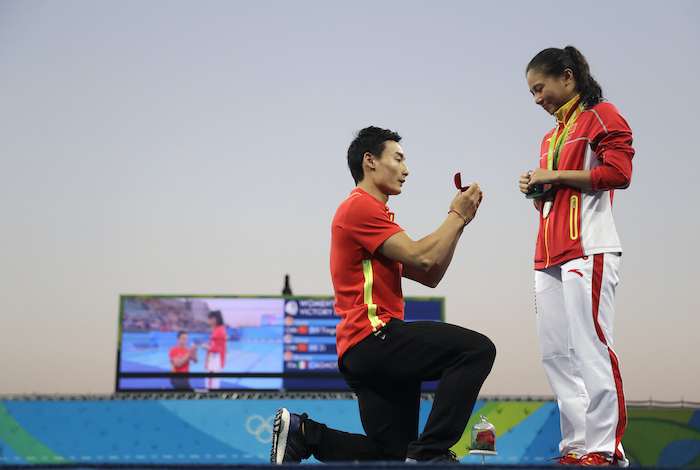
{"x":598,"y":264}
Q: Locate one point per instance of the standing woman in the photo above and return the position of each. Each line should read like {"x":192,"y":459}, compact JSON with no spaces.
{"x":582,"y":160}
{"x":216,"y":349}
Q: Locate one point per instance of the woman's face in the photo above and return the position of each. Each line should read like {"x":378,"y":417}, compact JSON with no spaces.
{"x":551,"y":92}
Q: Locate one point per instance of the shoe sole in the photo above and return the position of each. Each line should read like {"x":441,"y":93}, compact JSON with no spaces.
{"x":280,"y":434}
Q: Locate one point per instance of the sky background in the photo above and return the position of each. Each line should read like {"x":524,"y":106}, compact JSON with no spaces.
{"x":198,"y":148}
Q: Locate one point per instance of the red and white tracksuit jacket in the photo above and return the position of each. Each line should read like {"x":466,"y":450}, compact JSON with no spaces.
{"x":580,"y":222}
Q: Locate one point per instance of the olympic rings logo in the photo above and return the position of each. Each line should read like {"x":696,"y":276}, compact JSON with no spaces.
{"x":260,"y":428}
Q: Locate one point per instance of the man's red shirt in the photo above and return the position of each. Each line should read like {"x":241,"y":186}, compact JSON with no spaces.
{"x":367,"y":285}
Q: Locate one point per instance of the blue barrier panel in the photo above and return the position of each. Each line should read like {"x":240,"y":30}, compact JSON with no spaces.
{"x":238,"y":431}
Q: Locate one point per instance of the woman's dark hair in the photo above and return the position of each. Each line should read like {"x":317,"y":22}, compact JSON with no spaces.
{"x":370,"y":139}
{"x":553,"y":62}
{"x":216,"y":314}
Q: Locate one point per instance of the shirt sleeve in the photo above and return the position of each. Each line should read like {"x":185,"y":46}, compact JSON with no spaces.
{"x":368,"y":223}
{"x":613,"y":147}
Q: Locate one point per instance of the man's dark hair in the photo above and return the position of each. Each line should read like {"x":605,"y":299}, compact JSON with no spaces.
{"x":180,"y":333}
{"x":370,"y":139}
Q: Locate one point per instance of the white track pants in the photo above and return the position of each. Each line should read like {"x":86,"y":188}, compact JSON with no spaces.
{"x":575,"y":304}
{"x":213,"y":365}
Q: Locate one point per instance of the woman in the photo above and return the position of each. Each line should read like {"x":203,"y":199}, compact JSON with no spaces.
{"x":216,"y":349}
{"x":582,"y":160}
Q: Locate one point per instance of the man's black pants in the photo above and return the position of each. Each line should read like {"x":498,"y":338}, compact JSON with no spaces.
{"x":385,"y":372}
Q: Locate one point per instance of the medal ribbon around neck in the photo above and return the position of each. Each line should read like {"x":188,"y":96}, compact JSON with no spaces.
{"x":554,"y":152}
{"x":555,"y":146}
{"x":556,"y":143}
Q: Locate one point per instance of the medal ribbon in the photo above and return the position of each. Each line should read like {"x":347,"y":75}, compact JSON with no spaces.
{"x":556,"y":143}
{"x":554,"y":152}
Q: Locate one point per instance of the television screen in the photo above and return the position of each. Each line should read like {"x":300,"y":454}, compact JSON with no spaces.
{"x":238,"y":343}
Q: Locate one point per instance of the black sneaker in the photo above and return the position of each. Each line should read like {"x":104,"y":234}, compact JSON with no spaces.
{"x":447,"y":457}
{"x":288,"y":443}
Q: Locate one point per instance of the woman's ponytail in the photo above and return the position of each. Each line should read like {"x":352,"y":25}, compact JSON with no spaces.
{"x":590,"y":90}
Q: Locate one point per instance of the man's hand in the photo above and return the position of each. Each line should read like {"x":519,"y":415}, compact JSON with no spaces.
{"x":467,"y":203}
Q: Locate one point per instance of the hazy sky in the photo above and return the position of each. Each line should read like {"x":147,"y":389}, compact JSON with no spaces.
{"x":198,"y":147}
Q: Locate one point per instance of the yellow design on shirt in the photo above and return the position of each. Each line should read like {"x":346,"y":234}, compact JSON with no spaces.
{"x":368,"y":286}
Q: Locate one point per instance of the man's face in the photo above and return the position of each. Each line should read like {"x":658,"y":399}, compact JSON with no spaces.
{"x":390,"y":170}
{"x":182,"y":340}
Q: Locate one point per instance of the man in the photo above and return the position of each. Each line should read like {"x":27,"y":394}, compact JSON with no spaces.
{"x":382,"y":358}
{"x":180,"y":357}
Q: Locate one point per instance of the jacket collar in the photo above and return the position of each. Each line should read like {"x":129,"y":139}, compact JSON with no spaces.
{"x":564,"y":113}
